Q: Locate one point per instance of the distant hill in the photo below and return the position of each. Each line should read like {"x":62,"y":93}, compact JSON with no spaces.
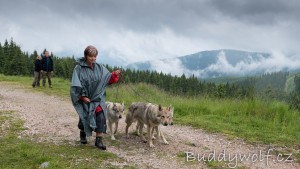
{"x":214,"y":63}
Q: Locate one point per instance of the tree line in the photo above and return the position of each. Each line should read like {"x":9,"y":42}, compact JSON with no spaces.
{"x":14,"y":61}
{"x":268,"y":85}
{"x":187,"y":86}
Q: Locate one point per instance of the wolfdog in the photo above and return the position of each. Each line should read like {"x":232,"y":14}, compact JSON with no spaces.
{"x":150,"y":114}
{"x":140,"y":126}
{"x":114,"y":114}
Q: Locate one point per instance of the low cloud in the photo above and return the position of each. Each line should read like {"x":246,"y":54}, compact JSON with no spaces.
{"x":250,"y":66}
{"x":169,"y":66}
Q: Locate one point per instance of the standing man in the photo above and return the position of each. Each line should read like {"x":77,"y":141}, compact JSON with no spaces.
{"x":47,"y":68}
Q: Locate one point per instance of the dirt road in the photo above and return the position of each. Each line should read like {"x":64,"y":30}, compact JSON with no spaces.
{"x":53,"y":119}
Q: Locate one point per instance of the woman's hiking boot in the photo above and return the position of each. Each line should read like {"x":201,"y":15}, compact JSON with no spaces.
{"x":83,"y":137}
{"x":99,"y":143}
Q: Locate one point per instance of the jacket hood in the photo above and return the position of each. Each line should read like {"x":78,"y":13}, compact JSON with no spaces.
{"x":82,"y":62}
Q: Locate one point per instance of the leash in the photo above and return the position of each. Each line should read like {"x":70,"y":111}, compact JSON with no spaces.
{"x":122,"y":80}
{"x":117,"y":92}
{"x":137,"y":93}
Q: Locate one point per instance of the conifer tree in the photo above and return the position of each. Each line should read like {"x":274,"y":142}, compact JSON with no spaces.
{"x":1,"y":58}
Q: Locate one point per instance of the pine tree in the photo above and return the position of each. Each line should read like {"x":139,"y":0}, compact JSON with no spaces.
{"x":297,"y":84}
{"x":1,"y":58}
{"x":6,"y":51}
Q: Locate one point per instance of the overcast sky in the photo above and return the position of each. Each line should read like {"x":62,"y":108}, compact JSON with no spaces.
{"x":127,"y":31}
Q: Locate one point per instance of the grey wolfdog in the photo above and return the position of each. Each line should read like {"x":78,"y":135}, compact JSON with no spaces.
{"x":114,"y":114}
{"x":140,"y":126}
{"x":150,"y":114}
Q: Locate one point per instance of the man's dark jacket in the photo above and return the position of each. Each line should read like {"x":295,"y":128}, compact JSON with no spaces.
{"x":47,"y":67}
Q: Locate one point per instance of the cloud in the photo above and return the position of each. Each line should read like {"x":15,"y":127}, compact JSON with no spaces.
{"x":168,"y":66}
{"x":249,"y":66}
{"x":150,"y":46}
{"x":266,"y":12}
{"x":276,"y":62}
{"x":131,"y":30}
{"x":222,"y":66}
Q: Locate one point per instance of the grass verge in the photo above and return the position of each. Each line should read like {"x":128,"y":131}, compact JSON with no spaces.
{"x":18,"y":152}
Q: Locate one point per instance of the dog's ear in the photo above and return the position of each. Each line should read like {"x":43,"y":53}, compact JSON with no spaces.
{"x":159,"y":108}
{"x":171,"y":108}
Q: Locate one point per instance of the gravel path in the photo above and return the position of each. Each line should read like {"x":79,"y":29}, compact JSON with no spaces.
{"x":53,"y":119}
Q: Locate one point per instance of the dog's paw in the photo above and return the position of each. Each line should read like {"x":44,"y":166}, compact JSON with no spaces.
{"x":151,"y":146}
{"x":166,"y":143}
{"x":113,"y":138}
{"x":153,"y":138}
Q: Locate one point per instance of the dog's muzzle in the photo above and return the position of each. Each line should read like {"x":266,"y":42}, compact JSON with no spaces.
{"x":165,"y":124}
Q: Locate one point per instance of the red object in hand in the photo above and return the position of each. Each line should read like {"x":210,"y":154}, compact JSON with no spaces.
{"x":114,"y":78}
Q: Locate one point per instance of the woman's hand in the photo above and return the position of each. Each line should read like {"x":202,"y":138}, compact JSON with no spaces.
{"x":86,"y":100}
{"x":118,"y":72}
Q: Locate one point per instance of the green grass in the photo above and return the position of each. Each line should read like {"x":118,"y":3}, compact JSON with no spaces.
{"x":253,"y":120}
{"x":218,"y":164}
{"x":61,"y":87}
{"x":23,"y":153}
{"x":268,"y":122}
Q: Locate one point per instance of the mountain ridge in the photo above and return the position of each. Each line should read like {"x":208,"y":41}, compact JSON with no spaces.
{"x":209,"y":63}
